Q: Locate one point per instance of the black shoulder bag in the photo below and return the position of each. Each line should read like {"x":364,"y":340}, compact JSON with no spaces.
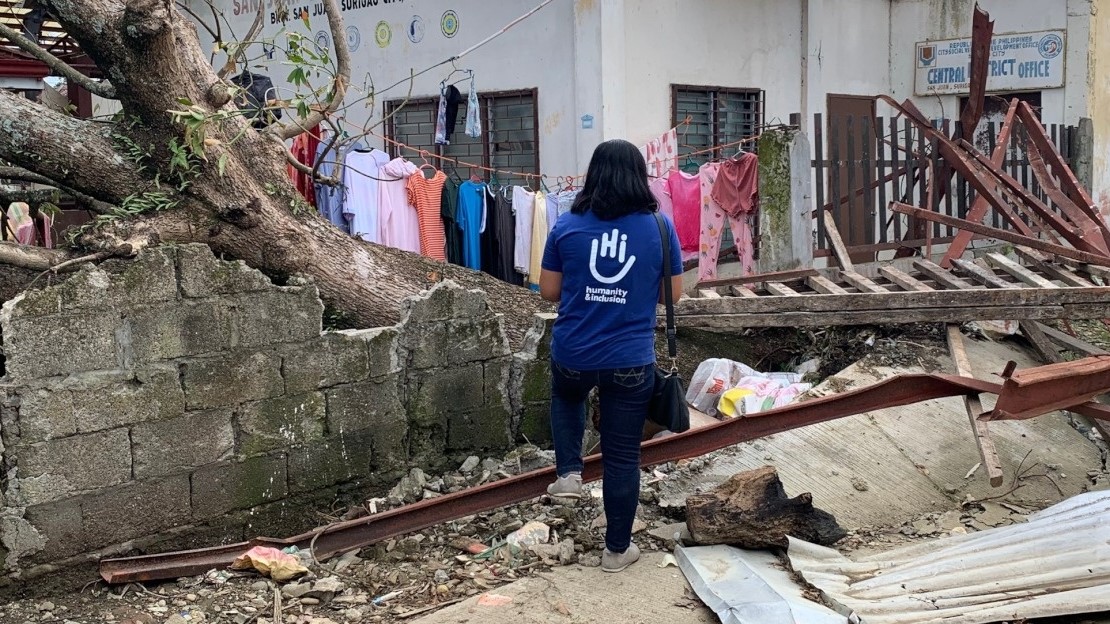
{"x":668,"y":407}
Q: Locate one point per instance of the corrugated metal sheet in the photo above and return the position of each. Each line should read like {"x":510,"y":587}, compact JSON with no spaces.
{"x":749,"y":587}
{"x":1057,"y":563}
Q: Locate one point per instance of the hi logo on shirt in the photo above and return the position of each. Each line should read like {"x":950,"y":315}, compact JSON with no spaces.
{"x":612,"y":246}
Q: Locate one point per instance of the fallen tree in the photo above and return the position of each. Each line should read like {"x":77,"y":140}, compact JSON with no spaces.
{"x":202,"y":173}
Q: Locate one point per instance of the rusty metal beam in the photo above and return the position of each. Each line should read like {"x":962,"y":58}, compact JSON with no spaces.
{"x":1048,"y":388}
{"x":979,"y":208}
{"x":982,"y":28}
{"x":341,"y":537}
{"x":1010,"y":237}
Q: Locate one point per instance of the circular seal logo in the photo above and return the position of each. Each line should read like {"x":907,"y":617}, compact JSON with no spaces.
{"x":449,"y":23}
{"x":323,"y":40}
{"x":1051,"y":46}
{"x":383,"y":34}
{"x":416,"y":29}
{"x":354,"y":38}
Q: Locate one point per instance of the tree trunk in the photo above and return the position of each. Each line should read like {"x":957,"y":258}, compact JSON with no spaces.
{"x":751,"y":510}
{"x":246,"y":209}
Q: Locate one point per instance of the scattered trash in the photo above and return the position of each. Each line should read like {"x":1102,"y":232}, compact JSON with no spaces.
{"x":530,"y":534}
{"x":271,"y":562}
{"x":668,"y":560}
{"x":973,"y":469}
{"x":494,"y":600}
{"x":725,"y":388}
{"x":386,"y":597}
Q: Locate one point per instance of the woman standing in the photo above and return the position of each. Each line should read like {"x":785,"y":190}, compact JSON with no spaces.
{"x":603,"y":263}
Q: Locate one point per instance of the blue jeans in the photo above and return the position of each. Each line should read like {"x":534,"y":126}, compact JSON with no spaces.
{"x":624,"y":395}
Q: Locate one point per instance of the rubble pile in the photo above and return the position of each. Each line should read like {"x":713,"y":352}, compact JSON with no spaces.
{"x":391,"y":581}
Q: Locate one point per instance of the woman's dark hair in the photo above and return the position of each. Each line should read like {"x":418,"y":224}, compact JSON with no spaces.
{"x":616,"y":182}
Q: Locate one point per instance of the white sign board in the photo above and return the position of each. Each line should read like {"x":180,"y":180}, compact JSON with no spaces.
{"x":1018,"y":62}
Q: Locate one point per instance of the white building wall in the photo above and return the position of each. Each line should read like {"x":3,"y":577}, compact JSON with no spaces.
{"x":537,"y":53}
{"x":720,"y":43}
{"x":849,"y":44}
{"x":922,"y":20}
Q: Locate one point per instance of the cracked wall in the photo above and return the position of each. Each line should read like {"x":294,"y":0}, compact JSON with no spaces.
{"x":179,"y":400}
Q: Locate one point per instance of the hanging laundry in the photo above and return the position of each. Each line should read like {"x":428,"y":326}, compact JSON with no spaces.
{"x":564,"y":203}
{"x":736,"y":190}
{"x":685,"y":192}
{"x":551,"y":210}
{"x":24,"y":225}
{"x":522,"y":245}
{"x":448,"y":114}
{"x":661,"y":154}
{"x":472,"y":221}
{"x":473,"y":112}
{"x":400,"y":227}
{"x":712,"y":229}
{"x":658,"y":188}
{"x":304,"y":151}
{"x":330,"y":198}
{"x":499,"y":238}
{"x":539,"y":238}
{"x":362,"y":204}
{"x":425,"y":195}
{"x":449,"y":208}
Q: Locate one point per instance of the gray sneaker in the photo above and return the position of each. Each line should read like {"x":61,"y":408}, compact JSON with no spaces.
{"x":569,"y":486}
{"x":615,"y":562}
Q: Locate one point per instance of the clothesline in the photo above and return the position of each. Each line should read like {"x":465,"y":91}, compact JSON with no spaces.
{"x":543,"y":176}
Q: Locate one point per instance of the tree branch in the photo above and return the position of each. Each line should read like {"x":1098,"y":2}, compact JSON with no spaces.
{"x":103,"y":89}
{"x":28,"y":196}
{"x":233,"y":59}
{"x":18,"y":173}
{"x":342,"y":75}
{"x":30,"y":257}
{"x":75,"y":155}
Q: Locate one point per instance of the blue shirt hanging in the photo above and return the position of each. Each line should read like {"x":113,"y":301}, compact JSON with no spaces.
{"x":472,"y":221}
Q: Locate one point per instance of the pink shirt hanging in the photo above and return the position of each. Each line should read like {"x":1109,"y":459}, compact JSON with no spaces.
{"x":685,"y":192}
{"x":399,"y":224}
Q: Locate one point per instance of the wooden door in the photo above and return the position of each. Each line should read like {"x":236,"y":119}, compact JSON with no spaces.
{"x":851,"y":147}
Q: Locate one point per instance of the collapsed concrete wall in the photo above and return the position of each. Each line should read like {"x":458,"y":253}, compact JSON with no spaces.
{"x":177,"y":399}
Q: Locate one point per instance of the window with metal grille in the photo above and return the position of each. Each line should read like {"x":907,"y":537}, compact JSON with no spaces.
{"x":718,"y":116}
{"x":509,"y":139}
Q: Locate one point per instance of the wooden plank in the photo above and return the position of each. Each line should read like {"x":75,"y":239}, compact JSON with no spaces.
{"x":1018,"y":271}
{"x":755,"y":278}
{"x":836,"y":241}
{"x":974,"y":407}
{"x":708,"y":293}
{"x":1041,"y":344}
{"x":903,"y":280}
{"x":901,"y":300}
{"x":982,"y":275}
{"x":782,"y":290}
{"x":825,"y":286}
{"x":740,"y":291}
{"x":864,"y":284}
{"x":1070,"y":342}
{"x":1005,"y":235}
{"x":941,"y":276}
{"x":1057,"y":272}
{"x":892,"y":317}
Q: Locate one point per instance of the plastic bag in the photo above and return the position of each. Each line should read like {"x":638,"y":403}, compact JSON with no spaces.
{"x":710,"y":381}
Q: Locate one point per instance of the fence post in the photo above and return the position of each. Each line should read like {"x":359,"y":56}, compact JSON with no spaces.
{"x":785,"y":201}
{"x":1084,"y":154}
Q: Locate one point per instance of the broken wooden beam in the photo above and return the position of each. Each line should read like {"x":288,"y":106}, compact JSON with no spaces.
{"x":1010,"y":237}
{"x":974,"y":406}
{"x":751,"y":510}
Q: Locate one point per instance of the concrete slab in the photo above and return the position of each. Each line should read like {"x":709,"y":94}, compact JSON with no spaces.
{"x":886,"y":467}
{"x":642,"y":594}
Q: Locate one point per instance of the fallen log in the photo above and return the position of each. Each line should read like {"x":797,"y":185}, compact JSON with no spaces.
{"x":751,"y":510}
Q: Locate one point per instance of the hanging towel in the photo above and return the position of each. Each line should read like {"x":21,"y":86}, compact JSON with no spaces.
{"x":441,"y":118}
{"x":473,"y":113}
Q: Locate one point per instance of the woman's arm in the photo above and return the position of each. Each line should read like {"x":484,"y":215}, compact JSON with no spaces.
{"x":676,"y":290}
{"x":551,"y":284}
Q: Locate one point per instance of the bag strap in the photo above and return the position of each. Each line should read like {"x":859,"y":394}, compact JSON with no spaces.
{"x":672,"y":338}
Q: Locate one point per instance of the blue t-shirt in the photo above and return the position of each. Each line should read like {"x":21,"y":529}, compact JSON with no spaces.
{"x":612,"y":271}
{"x":471,"y":220}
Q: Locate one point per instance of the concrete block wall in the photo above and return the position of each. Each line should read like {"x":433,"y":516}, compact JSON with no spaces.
{"x":177,"y":399}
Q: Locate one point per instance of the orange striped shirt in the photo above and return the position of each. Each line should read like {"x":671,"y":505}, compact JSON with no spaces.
{"x":425,"y":195}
